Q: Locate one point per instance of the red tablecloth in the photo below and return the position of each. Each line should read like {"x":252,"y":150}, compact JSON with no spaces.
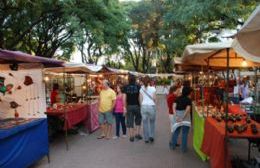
{"x":72,"y":114}
{"x":92,"y":123}
{"x":214,"y":141}
{"x":236,"y":109}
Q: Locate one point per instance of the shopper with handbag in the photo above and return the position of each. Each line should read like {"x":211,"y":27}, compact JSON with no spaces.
{"x":148,"y":109}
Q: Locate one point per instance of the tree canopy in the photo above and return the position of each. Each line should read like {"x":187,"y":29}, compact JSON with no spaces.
{"x":147,"y":35}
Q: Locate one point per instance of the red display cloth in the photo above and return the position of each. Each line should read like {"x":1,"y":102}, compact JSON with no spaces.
{"x":92,"y":122}
{"x":72,"y":114}
{"x":236,"y":109}
{"x":214,"y":141}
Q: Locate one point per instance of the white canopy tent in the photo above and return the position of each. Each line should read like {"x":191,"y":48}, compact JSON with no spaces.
{"x":247,"y":40}
{"x":78,"y":68}
{"x":214,"y":55}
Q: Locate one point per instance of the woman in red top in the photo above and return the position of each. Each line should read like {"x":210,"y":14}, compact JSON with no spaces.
{"x":54,"y":93}
{"x":171,"y":97}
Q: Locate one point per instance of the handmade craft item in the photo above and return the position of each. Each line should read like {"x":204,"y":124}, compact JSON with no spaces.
{"x":2,"y":85}
{"x":14,"y":105}
{"x":13,"y":67}
{"x":27,"y":81}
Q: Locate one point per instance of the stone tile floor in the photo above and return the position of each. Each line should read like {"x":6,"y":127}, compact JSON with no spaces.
{"x":85,"y":151}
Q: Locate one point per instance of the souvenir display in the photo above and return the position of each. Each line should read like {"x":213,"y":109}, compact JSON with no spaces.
{"x":254,"y":129}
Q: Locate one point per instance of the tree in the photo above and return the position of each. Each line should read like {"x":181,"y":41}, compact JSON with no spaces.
{"x":42,"y":27}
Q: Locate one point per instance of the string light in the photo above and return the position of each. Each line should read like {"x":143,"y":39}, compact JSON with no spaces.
{"x":46,"y":79}
{"x":244,"y":63}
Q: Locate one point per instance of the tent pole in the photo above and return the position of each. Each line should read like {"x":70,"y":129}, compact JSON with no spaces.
{"x":208,"y":87}
{"x":226,"y":110}
{"x":256,"y":80}
{"x":65,"y":112}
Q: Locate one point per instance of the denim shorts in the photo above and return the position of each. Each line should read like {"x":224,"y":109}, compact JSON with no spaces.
{"x":105,"y":117}
{"x":133,"y":115}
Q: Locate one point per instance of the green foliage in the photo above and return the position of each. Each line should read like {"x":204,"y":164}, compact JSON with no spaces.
{"x":44,"y":26}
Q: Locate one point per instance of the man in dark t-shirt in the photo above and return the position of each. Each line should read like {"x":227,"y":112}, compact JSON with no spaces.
{"x":133,"y":114}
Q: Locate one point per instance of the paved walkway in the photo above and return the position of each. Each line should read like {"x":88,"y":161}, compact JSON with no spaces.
{"x":88,"y":152}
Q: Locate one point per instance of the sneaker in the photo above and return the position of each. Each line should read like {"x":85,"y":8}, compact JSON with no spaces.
{"x":124,"y":136}
{"x":146,"y":142}
{"x":131,"y":139}
{"x":138,"y":137}
{"x":115,"y":137}
{"x":151,"y":139}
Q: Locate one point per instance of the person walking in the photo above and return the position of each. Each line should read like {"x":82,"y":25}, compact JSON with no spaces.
{"x":107,"y":99}
{"x":133,"y":115}
{"x":148,"y":110}
{"x":182,"y":110}
{"x":119,"y":112}
{"x":171,"y":97}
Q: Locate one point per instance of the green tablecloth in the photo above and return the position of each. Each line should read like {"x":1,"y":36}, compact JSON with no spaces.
{"x":198,"y":134}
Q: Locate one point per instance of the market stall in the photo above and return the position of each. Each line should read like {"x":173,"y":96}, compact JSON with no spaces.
{"x":23,"y":124}
{"x":77,"y":108}
{"x":216,"y":55}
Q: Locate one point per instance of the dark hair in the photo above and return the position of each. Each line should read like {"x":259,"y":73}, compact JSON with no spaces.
{"x":131,"y":79}
{"x":55,"y":86}
{"x":173,"y":89}
{"x":146,"y":81}
{"x":186,"y":83}
{"x":120,"y":87}
{"x":186,"y":91}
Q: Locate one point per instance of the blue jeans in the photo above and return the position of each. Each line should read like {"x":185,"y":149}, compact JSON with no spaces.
{"x":148,"y":116}
{"x":175,"y":135}
{"x":120,"y":119}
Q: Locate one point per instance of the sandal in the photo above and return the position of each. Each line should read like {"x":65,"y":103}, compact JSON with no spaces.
{"x":101,"y":137}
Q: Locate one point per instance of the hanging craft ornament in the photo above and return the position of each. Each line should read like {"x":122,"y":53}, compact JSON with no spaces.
{"x":27,"y":81}
{"x":14,"y":67}
{"x":16,"y":114}
{"x":14,"y":105}
{"x":9,"y":87}
{"x":2,"y":85}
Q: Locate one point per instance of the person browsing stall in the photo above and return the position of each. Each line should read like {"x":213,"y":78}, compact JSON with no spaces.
{"x":119,"y":112}
{"x":182,"y":110}
{"x":133,"y":115}
{"x":107,"y":99}
{"x":148,"y":109}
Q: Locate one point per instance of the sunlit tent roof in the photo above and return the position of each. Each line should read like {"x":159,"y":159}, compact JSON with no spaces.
{"x":94,"y":68}
{"x":214,"y":55}
{"x":7,"y":56}
{"x":247,"y":40}
{"x":77,"y":68}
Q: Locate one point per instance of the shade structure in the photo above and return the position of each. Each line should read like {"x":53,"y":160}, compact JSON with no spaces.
{"x":214,"y":55}
{"x":247,"y":40}
{"x":76,"y":68}
{"x":7,"y":56}
{"x":181,"y":67}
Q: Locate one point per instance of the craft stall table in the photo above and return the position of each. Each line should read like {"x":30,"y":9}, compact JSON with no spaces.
{"x":72,"y":114}
{"x":198,"y":132}
{"x":22,"y":142}
{"x":236,"y":109}
{"x":92,"y":123}
{"x":213,"y":143}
